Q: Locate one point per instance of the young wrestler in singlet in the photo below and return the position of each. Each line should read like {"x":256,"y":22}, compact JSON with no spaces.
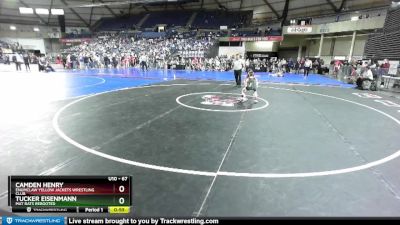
{"x":250,"y":84}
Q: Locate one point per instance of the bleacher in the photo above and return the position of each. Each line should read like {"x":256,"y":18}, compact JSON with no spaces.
{"x":9,"y":48}
{"x":255,"y":33}
{"x":372,"y":49}
{"x":74,"y":36}
{"x":4,"y":45}
{"x":118,"y":24}
{"x":392,"y":22}
{"x":186,"y":34}
{"x":171,"y":18}
{"x":151,"y":35}
{"x":220,"y":33}
{"x":246,"y":33}
{"x":215,"y":19}
{"x":202,"y":20}
{"x":385,"y":43}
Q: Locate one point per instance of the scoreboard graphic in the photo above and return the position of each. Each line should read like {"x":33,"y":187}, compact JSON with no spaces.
{"x":70,"y":194}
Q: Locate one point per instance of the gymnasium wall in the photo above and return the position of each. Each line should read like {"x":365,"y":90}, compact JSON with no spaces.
{"x":230,"y":50}
{"x":52,"y":45}
{"x":339,"y":46}
{"x":261,"y":46}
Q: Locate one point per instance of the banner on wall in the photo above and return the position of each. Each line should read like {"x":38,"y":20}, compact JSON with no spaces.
{"x":339,"y":57}
{"x":299,"y":29}
{"x":75,"y":40}
{"x":54,"y":35}
{"x":268,"y":38}
{"x":261,"y":55}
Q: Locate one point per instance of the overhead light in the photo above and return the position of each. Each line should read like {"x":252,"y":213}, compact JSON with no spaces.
{"x":355,"y":18}
{"x":24,"y":10}
{"x":57,"y":11}
{"x":395,"y":3}
{"x":41,"y":11}
{"x":36,"y":29}
{"x":13,"y":27}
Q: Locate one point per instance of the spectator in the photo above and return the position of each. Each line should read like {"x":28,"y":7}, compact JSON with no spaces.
{"x":42,"y":64}
{"x":364,"y":81}
{"x":337,"y":65}
{"x":384,"y":70}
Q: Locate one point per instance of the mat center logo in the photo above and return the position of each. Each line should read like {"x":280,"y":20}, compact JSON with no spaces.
{"x":217,"y":100}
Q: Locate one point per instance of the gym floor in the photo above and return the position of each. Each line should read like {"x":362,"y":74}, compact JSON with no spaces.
{"x":309,"y":147}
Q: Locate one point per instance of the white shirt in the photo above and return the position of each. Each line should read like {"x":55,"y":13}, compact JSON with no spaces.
{"x":143,"y":58}
{"x":369,"y":74}
{"x":19,"y":58}
{"x":308,"y":63}
{"x":238,"y":64}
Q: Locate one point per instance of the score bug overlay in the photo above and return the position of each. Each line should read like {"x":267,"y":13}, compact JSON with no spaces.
{"x":70,"y":194}
{"x":105,"y":221}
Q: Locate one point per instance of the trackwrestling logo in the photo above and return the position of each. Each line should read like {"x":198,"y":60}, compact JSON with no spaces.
{"x":33,"y":220}
{"x":217,"y":100}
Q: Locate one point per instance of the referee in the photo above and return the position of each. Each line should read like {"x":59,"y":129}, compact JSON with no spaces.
{"x":237,"y":68}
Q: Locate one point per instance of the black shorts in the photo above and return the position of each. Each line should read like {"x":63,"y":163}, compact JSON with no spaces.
{"x":250,"y":89}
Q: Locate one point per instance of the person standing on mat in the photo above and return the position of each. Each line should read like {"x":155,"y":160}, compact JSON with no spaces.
{"x":143,"y":62}
{"x":307,"y":67}
{"x":18,"y":61}
{"x":250,"y":84}
{"x":237,"y":70}
{"x":26,"y":62}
